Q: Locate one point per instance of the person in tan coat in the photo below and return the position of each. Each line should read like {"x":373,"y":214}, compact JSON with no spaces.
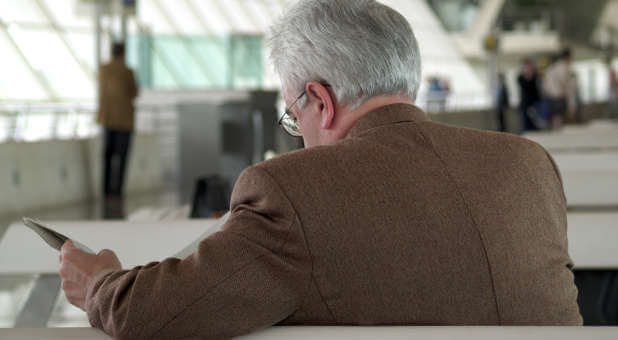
{"x":386,"y":218}
{"x":117,"y":90}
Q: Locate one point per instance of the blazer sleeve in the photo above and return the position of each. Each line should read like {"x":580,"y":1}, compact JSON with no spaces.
{"x":248,"y":276}
{"x":558,"y":175}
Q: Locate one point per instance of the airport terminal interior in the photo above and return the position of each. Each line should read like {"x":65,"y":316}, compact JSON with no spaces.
{"x":208,"y":103}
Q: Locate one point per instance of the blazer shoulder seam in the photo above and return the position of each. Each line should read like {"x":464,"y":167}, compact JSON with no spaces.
{"x":302,"y":229}
{"x":469,"y":210}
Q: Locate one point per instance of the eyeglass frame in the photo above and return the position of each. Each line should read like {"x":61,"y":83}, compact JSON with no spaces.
{"x":293,"y":129}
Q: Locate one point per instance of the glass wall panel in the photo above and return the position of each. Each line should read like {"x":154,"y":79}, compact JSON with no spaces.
{"x":151,"y":18}
{"x":213,"y":51}
{"x":82,"y":44}
{"x":162,"y":77}
{"x":196,"y":62}
{"x":51,"y":58}
{"x":16,"y":81}
{"x":208,"y":10}
{"x":21,"y":11}
{"x":183,"y":60}
{"x":65,"y":13}
{"x":180,"y":14}
{"x":237,"y":12}
{"x":246,"y":61}
{"x":262,"y":17}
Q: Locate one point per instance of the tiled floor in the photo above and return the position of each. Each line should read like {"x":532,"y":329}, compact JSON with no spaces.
{"x":15,"y":289}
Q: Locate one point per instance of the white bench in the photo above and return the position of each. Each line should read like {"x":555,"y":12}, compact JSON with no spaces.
{"x":23,"y":252}
{"x":136,"y":243}
{"x":592,"y":244}
{"x":357,"y":333}
{"x":593,"y":241}
{"x":590,"y":179}
{"x":601,"y":135}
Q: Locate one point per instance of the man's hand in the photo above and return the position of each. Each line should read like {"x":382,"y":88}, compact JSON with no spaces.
{"x":77,"y":268}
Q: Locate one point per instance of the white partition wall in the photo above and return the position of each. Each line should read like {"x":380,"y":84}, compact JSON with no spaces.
{"x":144,"y":170}
{"x":37,"y":175}
{"x":54,"y":173}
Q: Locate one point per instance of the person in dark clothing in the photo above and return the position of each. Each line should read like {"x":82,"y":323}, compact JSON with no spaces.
{"x":502,"y":103}
{"x":529,"y":95}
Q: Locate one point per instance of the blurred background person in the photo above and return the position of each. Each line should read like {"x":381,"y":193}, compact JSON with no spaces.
{"x":116,"y":115}
{"x":556,"y":87}
{"x":529,"y":95}
{"x":502,"y":103}
{"x":437,"y":94}
{"x":574,"y":100}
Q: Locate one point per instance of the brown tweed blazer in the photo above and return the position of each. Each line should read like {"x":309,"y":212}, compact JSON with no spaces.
{"x":404,"y":222}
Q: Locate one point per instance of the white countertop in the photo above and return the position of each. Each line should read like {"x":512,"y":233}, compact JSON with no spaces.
{"x":593,"y":242}
{"x":135,"y":243}
{"x":357,"y":333}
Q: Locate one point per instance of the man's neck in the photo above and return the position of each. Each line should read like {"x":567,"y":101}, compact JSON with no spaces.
{"x":349,"y":118}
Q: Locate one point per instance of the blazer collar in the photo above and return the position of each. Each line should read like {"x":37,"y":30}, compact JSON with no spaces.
{"x":387,"y":115}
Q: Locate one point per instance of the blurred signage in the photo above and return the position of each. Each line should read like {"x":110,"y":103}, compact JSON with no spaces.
{"x":130,"y":6}
{"x":491,"y":43}
{"x":108,"y":7}
{"x":87,"y":8}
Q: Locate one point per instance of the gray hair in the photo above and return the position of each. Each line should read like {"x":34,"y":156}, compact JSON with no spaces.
{"x":360,"y":47}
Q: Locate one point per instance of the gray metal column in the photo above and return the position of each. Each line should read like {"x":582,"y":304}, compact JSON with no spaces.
{"x":37,"y":310}
{"x":98,"y":12}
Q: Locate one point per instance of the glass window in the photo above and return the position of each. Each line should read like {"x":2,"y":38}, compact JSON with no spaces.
{"x":246,"y":61}
{"x":213,"y":50}
{"x":235,"y":11}
{"x":274,"y":7}
{"x":151,"y":17}
{"x":181,"y":16}
{"x":66,"y":14}
{"x":82,"y":44}
{"x":162,"y":78}
{"x":50,"y":57}
{"x":209,"y":11}
{"x":183,"y":60}
{"x":25,"y":11}
{"x":261,"y":16}
{"x":16,"y":80}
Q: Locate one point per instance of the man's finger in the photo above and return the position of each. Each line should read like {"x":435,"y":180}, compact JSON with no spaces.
{"x":68,"y":243}
{"x":106,"y":252}
{"x":69,"y":287}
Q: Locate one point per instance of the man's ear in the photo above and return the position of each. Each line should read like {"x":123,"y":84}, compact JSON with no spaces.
{"x":326,"y":106}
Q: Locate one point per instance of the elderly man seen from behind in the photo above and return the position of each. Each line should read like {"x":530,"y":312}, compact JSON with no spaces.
{"x":386,"y":218}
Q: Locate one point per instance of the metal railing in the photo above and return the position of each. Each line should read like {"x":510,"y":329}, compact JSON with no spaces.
{"x":28,"y":121}
{"x":40,"y":122}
